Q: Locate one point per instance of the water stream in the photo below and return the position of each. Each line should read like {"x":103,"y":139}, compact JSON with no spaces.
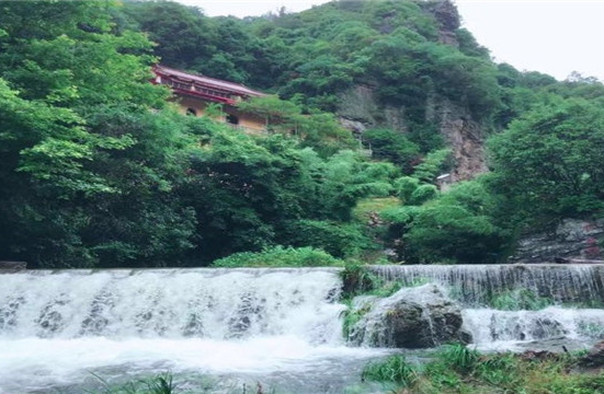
{"x":236,"y":328}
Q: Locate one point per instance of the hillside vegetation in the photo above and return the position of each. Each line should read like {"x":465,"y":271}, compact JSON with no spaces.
{"x":98,"y":169}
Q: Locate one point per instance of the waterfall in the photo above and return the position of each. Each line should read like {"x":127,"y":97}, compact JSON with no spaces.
{"x":490,"y":325}
{"x":202,"y":303}
{"x":237,"y":326}
{"x":474,"y":285}
{"x":278,"y":326}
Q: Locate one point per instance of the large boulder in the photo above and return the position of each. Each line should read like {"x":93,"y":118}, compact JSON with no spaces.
{"x":417,"y":317}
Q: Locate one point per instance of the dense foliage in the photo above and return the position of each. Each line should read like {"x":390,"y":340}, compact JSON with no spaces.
{"x":98,"y":170}
{"x":457,"y":368}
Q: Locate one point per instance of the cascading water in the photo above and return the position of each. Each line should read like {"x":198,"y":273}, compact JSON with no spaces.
{"x":474,"y":286}
{"x":214,"y":304}
{"x":281,"y":327}
{"x":56,"y":328}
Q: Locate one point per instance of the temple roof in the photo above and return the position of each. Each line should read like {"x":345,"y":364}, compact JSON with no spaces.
{"x":199,"y":81}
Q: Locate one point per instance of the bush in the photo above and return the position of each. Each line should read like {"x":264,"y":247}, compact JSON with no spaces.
{"x":279,"y":257}
{"x":393,"y":146}
{"x":357,"y":279}
{"x":459,"y":225}
{"x":405,"y":186}
{"x":422,"y":194}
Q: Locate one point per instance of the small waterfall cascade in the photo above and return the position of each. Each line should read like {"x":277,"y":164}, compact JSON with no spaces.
{"x":490,"y":325}
{"x":217,"y":304}
{"x":227,"y":328}
{"x":568,"y":315}
{"x":475,"y":285}
{"x":281,"y":324}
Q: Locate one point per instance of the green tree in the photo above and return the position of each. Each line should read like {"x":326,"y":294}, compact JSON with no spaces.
{"x":92,"y":167}
{"x":550,"y":162}
{"x":393,"y":146}
{"x":459,"y":226}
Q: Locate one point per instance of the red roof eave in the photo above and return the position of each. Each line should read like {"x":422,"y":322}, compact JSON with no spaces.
{"x":186,"y":92}
{"x":219,"y":85}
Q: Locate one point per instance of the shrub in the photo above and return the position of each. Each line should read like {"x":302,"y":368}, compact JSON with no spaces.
{"x":279,"y":257}
{"x":422,"y":194}
{"x":392,"y":145}
{"x":405,"y":186}
{"x":351,"y":316}
{"x":357,"y":279}
{"x":458,"y":369}
{"x":498,"y":370}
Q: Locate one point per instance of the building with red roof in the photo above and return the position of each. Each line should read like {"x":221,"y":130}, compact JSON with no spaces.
{"x":195,"y":93}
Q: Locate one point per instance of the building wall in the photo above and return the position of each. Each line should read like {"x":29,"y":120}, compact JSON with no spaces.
{"x":248,"y":123}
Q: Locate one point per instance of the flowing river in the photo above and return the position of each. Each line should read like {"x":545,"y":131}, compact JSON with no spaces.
{"x":231,"y":330}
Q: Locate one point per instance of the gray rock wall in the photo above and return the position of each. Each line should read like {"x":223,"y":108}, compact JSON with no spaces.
{"x":571,"y":239}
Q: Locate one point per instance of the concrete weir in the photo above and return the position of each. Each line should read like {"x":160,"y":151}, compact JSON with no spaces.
{"x":474,"y":285}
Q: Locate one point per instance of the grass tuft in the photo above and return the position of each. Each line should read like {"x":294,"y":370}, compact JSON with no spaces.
{"x":395,"y":369}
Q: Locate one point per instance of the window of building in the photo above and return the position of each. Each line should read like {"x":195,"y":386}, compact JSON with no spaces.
{"x":232,"y":119}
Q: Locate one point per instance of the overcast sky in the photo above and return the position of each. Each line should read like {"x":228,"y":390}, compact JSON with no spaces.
{"x":551,"y":36}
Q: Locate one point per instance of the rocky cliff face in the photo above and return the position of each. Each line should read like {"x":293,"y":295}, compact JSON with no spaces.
{"x":447,"y":16}
{"x":360,"y":110}
{"x":571,"y":239}
{"x":463,"y":135}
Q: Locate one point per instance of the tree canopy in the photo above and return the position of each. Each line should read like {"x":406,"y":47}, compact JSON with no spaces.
{"x":99,"y":170}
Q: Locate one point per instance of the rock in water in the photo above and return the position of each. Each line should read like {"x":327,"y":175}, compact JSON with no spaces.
{"x":595,"y":357}
{"x":417,"y":317}
{"x":12,"y":265}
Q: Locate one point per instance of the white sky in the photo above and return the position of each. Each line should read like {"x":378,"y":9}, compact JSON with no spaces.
{"x":555,"y":37}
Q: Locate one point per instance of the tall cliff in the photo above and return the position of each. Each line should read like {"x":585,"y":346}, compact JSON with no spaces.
{"x":360,"y":107}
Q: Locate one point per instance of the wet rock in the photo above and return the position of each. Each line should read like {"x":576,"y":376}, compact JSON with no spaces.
{"x":358,"y":128}
{"x":8,"y":313}
{"x":419,"y":317}
{"x":360,"y":109}
{"x":546,"y":328}
{"x":194,"y":326}
{"x":248,"y":312}
{"x":357,"y":108}
{"x":12,"y":266}
{"x":595,"y":357}
{"x":463,"y":135}
{"x":539,"y":355}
